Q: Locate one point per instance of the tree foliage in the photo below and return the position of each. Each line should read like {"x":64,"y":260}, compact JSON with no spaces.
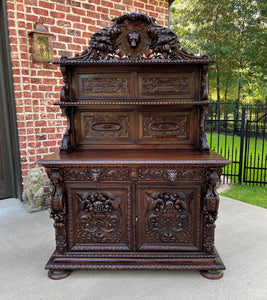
{"x":233,"y":32}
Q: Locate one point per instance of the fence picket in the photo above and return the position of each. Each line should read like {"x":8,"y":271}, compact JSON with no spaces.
{"x":242,"y":133}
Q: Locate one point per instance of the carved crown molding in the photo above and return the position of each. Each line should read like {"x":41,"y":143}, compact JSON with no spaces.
{"x":134,"y":37}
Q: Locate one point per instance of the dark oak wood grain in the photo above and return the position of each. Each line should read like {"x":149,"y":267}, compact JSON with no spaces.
{"x":134,"y":182}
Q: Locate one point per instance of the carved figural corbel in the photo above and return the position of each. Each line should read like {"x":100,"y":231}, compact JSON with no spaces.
{"x":66,"y":140}
{"x":204,"y":146}
{"x":57,"y":206}
{"x":64,"y":93}
{"x":204,"y":89}
{"x":211,"y":210}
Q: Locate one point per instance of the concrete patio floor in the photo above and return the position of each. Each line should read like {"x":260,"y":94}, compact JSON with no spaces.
{"x":27,"y":241}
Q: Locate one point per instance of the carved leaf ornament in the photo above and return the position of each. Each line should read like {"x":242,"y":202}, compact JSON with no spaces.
{"x":100,"y":218}
{"x":133,"y":37}
{"x":168,"y":217}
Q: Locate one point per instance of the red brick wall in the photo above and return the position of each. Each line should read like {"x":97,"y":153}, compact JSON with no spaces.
{"x":37,"y":85}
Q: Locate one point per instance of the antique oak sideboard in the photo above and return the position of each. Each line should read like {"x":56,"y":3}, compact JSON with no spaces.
{"x":134,"y":182}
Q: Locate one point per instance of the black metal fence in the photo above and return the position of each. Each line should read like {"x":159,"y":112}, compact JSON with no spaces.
{"x":239,"y":133}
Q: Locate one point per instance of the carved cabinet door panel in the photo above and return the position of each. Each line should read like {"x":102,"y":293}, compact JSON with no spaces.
{"x":168,"y":218}
{"x":99,"y":217}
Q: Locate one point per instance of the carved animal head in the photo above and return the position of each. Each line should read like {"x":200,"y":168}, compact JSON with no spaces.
{"x":171,"y":175}
{"x":134,"y":38}
{"x":95,"y":174}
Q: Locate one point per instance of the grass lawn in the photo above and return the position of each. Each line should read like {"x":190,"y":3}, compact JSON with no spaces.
{"x":256,"y":195}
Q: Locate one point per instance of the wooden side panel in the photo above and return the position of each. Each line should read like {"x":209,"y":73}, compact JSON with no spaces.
{"x":168,"y":218}
{"x":99,"y":217}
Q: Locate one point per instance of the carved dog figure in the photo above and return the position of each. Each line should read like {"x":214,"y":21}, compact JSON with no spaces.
{"x":33,"y":194}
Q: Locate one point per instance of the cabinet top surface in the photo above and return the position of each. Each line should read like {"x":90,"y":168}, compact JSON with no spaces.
{"x":119,"y":157}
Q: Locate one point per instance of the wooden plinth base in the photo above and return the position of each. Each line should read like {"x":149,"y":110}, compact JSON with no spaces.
{"x":210,"y":265}
{"x":58,"y":274}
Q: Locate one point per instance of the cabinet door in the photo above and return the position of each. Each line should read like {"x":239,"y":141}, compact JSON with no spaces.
{"x":99,"y":218}
{"x":168,"y":218}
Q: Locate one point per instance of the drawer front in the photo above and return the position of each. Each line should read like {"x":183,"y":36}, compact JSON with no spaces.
{"x":164,"y":127}
{"x":105,"y":127}
{"x":99,"y":218}
{"x":168,"y":218}
{"x":180,"y":85}
{"x":99,"y":84}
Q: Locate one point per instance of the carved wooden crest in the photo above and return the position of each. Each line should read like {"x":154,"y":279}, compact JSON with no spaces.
{"x":134,"y":37}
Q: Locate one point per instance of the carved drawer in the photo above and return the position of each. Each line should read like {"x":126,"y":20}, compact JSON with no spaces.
{"x":168,"y":218}
{"x":99,"y":217}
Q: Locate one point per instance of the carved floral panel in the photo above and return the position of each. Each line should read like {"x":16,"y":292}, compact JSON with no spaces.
{"x":102,"y":85}
{"x":166,"y":84}
{"x":100,"y":217}
{"x":167,"y":218}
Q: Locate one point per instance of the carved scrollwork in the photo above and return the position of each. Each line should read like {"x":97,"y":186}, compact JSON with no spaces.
{"x":100,"y":218}
{"x":134,"y":36}
{"x":168,"y":217}
{"x":57,"y":205}
{"x":211,"y":209}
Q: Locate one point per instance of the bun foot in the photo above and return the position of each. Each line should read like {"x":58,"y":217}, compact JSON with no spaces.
{"x":58,"y":274}
{"x":212,"y":274}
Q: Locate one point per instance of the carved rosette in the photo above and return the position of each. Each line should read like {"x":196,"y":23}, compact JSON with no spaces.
{"x":211,"y":209}
{"x":168,"y":217}
{"x":99,"y":219}
{"x":57,"y":204}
